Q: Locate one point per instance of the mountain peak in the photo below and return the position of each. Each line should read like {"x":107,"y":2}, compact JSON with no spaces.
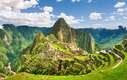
{"x":61,"y":23}
{"x":61,"y":20}
{"x":63,"y":31}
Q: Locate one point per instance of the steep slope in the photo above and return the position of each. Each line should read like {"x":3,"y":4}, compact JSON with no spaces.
{"x":106,"y":38}
{"x":65,"y":33}
{"x":4,"y":43}
{"x":118,"y":73}
{"x":86,"y":41}
{"x":11,"y":44}
{"x":105,"y":58}
{"x":56,"y":58}
{"x":55,"y":53}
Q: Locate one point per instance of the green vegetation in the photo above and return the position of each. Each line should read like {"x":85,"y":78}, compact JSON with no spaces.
{"x":118,"y":73}
{"x":57,"y":58}
{"x":108,"y":73}
{"x":60,"y":52}
{"x":63,"y":32}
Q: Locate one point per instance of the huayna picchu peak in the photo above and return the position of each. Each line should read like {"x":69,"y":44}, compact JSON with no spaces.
{"x":65,"y":33}
{"x":61,"y":24}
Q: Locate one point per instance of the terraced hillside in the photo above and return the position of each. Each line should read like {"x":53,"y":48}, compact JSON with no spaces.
{"x":105,"y":65}
{"x":48,"y":56}
{"x":61,"y":50}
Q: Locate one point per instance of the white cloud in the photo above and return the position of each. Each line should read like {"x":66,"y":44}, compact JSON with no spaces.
{"x":70,"y":19}
{"x":59,"y":0}
{"x":112,"y":17}
{"x":16,"y":5}
{"x":44,"y":18}
{"x":75,"y":0}
{"x":1,"y":27}
{"x":120,"y":5}
{"x":71,"y":0}
{"x":120,"y":8}
{"x":35,"y":19}
{"x":10,"y":12}
{"x":89,"y":1}
{"x":125,"y":17}
{"x":48,"y":9}
{"x":95,"y":16}
{"x":107,"y":25}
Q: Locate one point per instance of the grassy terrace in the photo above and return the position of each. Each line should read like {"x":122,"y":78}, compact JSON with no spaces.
{"x":119,"y":73}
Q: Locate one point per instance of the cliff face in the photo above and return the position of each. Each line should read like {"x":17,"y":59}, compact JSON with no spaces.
{"x":65,"y":33}
{"x":86,"y":42}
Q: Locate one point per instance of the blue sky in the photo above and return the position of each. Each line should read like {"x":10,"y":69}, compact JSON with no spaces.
{"x":77,"y":13}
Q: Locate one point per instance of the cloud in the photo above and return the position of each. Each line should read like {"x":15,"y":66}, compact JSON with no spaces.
{"x":95,"y":16}
{"x":71,"y":0}
{"x":10,"y":12}
{"x":120,"y":5}
{"x":89,"y":1}
{"x":70,"y":19}
{"x":1,"y":27}
{"x":120,"y":8}
{"x":59,"y":0}
{"x":125,"y":17}
{"x":16,"y":5}
{"x":75,"y":0}
{"x":43,"y":18}
{"x":112,"y":18}
{"x":107,"y":25}
{"x":48,"y":9}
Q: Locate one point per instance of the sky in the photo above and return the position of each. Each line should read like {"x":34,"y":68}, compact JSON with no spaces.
{"x":77,"y":13}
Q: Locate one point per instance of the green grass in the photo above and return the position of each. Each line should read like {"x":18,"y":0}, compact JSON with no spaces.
{"x":61,"y":48}
{"x":119,"y":73}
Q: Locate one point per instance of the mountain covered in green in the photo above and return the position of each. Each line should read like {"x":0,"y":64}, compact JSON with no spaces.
{"x":106,"y":38}
{"x":116,"y":71}
{"x":49,"y":56}
{"x":63,"y":32}
{"x":60,"y":50}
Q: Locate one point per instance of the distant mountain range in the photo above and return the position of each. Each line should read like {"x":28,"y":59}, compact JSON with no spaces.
{"x":106,"y":38}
